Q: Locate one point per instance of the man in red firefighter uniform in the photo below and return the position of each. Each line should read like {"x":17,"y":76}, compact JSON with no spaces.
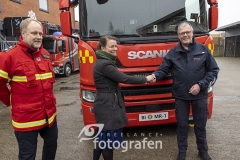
{"x":26,"y":84}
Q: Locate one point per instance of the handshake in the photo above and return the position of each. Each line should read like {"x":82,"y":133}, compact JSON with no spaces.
{"x":151,"y":78}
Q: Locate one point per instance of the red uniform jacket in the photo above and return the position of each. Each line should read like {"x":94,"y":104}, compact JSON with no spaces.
{"x":26,"y":83}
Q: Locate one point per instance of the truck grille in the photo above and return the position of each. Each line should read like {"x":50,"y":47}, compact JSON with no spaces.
{"x":145,"y":90}
{"x":148,"y":90}
{"x":150,"y":108}
{"x":144,"y":74}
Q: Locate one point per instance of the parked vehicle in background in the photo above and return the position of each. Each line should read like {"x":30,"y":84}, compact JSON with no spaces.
{"x":64,"y":53}
{"x":63,"y":49}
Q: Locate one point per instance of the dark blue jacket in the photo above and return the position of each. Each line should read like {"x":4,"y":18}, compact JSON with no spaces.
{"x":193,"y":66}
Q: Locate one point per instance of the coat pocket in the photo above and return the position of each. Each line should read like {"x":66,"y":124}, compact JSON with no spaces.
{"x":28,"y":103}
{"x":28,"y":68}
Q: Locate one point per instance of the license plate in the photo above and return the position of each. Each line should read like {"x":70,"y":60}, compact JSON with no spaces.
{"x":153,"y":116}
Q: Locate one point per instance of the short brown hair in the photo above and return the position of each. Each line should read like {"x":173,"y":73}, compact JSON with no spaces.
{"x":25,"y":23}
{"x":103,"y":41}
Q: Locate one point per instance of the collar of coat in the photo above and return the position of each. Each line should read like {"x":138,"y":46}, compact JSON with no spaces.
{"x":27,"y":48}
{"x":191,"y":46}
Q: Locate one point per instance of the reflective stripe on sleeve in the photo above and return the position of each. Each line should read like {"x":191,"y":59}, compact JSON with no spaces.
{"x":4,"y":74}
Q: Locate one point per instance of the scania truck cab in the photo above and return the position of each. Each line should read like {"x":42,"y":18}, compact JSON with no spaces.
{"x":146,"y":30}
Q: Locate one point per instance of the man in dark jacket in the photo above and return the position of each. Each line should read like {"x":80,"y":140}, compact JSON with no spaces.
{"x":194,"y":71}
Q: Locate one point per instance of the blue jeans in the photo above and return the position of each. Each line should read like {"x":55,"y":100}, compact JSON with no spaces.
{"x":27,"y":143}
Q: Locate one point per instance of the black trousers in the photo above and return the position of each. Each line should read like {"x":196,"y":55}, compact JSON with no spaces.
{"x":200,"y":114}
{"x":27,"y":143}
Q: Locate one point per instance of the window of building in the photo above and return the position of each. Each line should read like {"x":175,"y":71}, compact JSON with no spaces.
{"x":19,"y":1}
{"x":43,"y":5}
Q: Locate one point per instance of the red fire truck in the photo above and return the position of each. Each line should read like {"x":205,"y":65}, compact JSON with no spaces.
{"x":146,"y":30}
{"x":64,"y":53}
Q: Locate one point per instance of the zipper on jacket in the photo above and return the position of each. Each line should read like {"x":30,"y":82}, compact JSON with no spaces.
{"x":187,"y":56}
{"x":30,"y":52}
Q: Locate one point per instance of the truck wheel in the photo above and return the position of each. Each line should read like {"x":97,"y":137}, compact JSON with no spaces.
{"x":67,"y":70}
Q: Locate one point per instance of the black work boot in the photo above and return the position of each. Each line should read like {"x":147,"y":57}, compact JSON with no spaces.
{"x":181,"y":156}
{"x":204,"y":155}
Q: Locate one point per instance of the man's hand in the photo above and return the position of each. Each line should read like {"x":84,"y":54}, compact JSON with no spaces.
{"x":195,"y":89}
{"x":151,"y":78}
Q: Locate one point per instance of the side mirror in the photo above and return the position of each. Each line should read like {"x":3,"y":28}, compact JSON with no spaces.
{"x":213,"y":17}
{"x":101,"y":1}
{"x":64,"y":46}
{"x":63,"y":4}
{"x":74,"y":3}
{"x":66,"y":23}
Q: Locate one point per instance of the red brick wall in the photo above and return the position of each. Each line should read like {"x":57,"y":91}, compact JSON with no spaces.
{"x":14,"y":9}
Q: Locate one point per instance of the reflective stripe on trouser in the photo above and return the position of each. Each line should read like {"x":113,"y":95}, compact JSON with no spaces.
{"x":200,"y":113}
{"x":27,"y":143}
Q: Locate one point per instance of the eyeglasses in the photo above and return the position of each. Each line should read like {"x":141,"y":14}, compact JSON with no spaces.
{"x":183,"y":33}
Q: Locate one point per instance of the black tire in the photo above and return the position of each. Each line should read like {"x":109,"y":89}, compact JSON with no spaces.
{"x":67,"y":70}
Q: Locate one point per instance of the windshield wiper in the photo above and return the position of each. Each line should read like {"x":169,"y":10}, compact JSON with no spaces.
{"x":115,"y":35}
{"x":170,"y":32}
{"x":174,"y":21}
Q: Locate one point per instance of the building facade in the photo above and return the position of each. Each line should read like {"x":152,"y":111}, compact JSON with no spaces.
{"x":43,"y":10}
{"x":218,"y":39}
{"x":232,"y":39}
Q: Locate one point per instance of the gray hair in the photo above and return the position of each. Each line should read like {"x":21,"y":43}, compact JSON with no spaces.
{"x":24,"y":24}
{"x":184,"y":24}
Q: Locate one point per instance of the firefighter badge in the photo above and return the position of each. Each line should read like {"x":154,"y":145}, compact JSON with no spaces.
{"x":38,"y":59}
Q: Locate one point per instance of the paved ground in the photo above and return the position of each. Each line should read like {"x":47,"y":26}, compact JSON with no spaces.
{"x":223,"y":132}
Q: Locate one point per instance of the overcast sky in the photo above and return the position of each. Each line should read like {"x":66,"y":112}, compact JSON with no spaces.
{"x":229,"y":12}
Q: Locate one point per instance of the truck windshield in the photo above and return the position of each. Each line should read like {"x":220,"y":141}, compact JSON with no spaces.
{"x":141,"y":17}
{"x":49,"y":45}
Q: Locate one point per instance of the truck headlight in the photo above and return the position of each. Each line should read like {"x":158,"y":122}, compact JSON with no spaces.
{"x":88,"y":96}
